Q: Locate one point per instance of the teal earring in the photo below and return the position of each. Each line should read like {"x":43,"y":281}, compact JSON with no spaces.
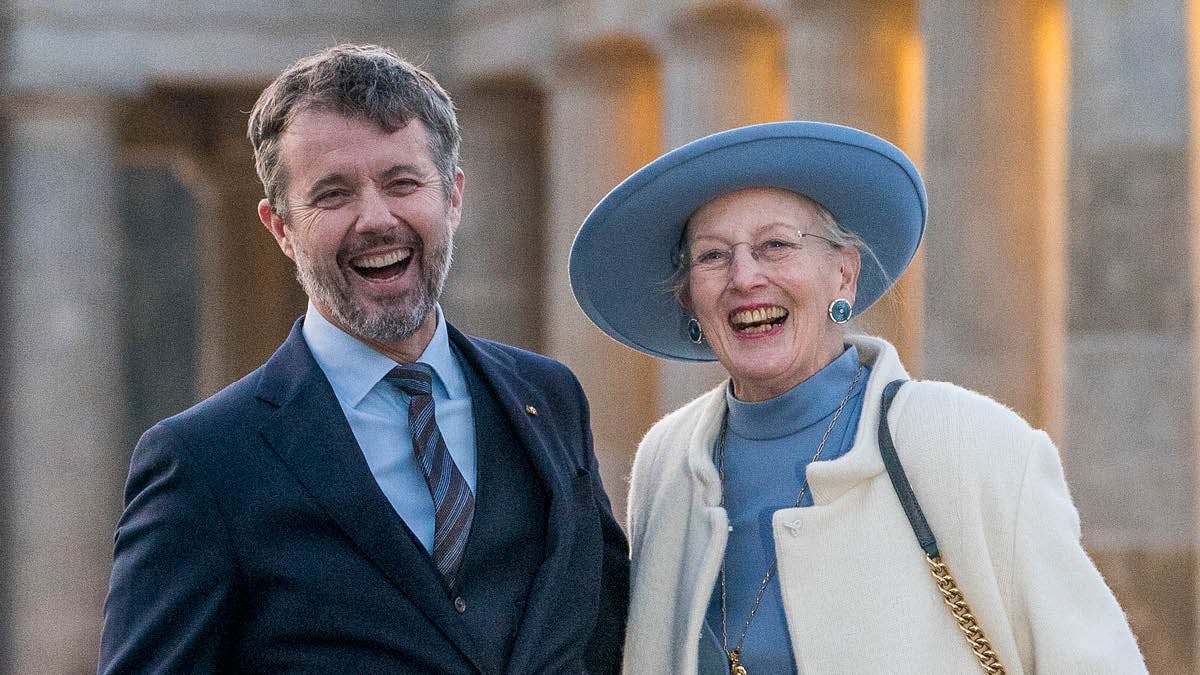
{"x":840,"y":310}
{"x":695,"y":334}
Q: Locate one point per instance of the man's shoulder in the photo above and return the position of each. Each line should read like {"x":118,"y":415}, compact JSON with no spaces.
{"x":521,"y":361}
{"x":517,"y":354}
{"x":235,"y":404}
{"x":260,"y":392}
{"x":532,"y":381}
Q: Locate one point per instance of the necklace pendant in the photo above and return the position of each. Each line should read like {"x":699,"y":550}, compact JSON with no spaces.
{"x":735,"y":664}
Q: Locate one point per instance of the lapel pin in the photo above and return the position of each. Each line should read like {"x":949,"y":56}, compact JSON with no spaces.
{"x":531,"y":410}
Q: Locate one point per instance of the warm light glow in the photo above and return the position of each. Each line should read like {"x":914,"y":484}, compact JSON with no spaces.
{"x":643,"y":116}
{"x":765,"y":94}
{"x":1052,"y":60}
{"x":910,"y":95}
{"x":1193,"y":61}
{"x":1193,"y":49}
{"x":606,"y":122}
{"x":909,"y":292}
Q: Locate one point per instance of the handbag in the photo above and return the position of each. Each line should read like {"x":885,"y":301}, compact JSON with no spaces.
{"x":951,"y":593}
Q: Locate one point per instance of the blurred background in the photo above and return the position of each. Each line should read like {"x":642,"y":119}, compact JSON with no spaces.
{"x":1058,"y":273}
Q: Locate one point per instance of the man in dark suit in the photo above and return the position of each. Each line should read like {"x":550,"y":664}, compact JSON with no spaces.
{"x":385,"y":494}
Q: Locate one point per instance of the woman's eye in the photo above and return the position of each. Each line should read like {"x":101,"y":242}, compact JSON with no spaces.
{"x":777,"y":244}
{"x":713,"y":256}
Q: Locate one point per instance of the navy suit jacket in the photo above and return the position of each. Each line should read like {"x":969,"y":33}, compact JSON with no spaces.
{"x":255,"y":539}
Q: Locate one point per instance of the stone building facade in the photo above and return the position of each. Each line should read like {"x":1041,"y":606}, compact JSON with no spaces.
{"x":1058,"y":273}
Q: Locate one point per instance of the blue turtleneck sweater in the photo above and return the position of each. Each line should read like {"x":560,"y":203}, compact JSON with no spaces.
{"x":767,"y":451}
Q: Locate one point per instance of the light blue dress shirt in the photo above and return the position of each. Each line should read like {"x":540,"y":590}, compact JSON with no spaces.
{"x":378,"y":413}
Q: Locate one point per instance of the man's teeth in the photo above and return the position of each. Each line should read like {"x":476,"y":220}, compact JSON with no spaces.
{"x":758,"y":315}
{"x":383,"y":259}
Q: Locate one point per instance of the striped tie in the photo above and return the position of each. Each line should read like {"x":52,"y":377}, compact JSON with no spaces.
{"x":453,"y":503}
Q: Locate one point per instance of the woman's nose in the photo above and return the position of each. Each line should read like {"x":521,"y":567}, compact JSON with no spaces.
{"x":744,"y":269}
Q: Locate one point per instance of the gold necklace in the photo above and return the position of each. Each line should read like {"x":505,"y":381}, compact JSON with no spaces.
{"x":735,"y":654}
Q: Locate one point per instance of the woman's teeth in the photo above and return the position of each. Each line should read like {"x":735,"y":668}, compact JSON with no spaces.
{"x":759,"y":320}
{"x":760,"y":328}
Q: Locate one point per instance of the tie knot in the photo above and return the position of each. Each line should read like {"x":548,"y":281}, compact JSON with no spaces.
{"x":414,"y":379}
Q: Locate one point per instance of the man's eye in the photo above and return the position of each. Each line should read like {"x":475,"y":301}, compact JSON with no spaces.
{"x":330,"y":197}
{"x":402,"y":185}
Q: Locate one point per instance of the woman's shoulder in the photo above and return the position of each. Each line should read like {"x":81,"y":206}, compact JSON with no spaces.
{"x":669,"y":437}
{"x":946,"y":419}
{"x":949,"y":403}
{"x":659,"y":478}
{"x":684,"y":419}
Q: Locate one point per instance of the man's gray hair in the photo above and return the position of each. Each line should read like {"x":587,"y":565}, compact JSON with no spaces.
{"x":360,"y":81}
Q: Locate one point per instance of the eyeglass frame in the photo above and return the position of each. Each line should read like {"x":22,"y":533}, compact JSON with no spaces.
{"x":689,"y":263}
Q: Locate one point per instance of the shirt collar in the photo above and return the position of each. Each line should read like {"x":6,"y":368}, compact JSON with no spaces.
{"x":353,"y":368}
{"x":805,"y":404}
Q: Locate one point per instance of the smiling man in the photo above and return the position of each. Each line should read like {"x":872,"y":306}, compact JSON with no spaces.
{"x":385,"y":494}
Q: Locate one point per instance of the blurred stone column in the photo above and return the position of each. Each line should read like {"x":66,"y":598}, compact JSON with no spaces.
{"x":861,"y":63}
{"x":743,"y":51}
{"x":63,"y":277}
{"x":604,"y":123}
{"x":1193,"y":197}
{"x":1130,"y":339}
{"x":249,"y":297}
{"x":996,"y":170}
{"x":496,"y":286}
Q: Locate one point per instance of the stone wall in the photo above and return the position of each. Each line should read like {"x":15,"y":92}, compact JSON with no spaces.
{"x":7,"y":449}
{"x":1130,"y":448}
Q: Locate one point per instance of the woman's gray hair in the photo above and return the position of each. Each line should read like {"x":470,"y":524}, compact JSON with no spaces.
{"x":358,"y":81}
{"x":680,"y":283}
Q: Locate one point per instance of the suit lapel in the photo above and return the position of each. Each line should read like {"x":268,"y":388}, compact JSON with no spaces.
{"x":556,"y":578}
{"x":311,"y":436}
{"x":512,"y":396}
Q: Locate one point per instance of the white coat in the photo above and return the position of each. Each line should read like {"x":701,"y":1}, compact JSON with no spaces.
{"x":856,"y":588}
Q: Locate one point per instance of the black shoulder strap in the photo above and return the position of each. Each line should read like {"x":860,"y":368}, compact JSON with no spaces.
{"x":904,"y":491}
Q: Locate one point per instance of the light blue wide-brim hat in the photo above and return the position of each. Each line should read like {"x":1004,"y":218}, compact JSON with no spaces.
{"x":625,"y":253}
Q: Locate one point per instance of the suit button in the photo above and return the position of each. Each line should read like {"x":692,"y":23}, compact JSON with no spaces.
{"x":460,"y":605}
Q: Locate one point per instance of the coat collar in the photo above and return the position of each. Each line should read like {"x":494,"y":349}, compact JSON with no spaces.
{"x":827,"y":480}
{"x":311,"y":436}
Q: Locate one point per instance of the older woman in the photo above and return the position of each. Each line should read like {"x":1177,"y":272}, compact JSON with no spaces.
{"x":778,"y":521}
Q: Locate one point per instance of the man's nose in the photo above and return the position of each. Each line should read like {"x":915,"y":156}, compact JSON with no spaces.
{"x":375,"y":212}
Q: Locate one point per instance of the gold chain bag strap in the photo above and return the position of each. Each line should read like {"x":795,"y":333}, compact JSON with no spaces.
{"x":946,"y":584}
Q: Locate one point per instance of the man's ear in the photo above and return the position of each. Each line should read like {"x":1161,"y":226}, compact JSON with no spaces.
{"x":276,"y":227}
{"x":454,"y":207}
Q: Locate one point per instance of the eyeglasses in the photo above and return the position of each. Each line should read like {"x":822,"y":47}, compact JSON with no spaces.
{"x":774,"y":251}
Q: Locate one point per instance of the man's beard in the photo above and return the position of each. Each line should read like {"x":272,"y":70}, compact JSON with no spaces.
{"x":397,"y":321}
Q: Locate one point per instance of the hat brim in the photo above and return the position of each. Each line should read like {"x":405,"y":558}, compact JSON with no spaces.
{"x":624,"y":254}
